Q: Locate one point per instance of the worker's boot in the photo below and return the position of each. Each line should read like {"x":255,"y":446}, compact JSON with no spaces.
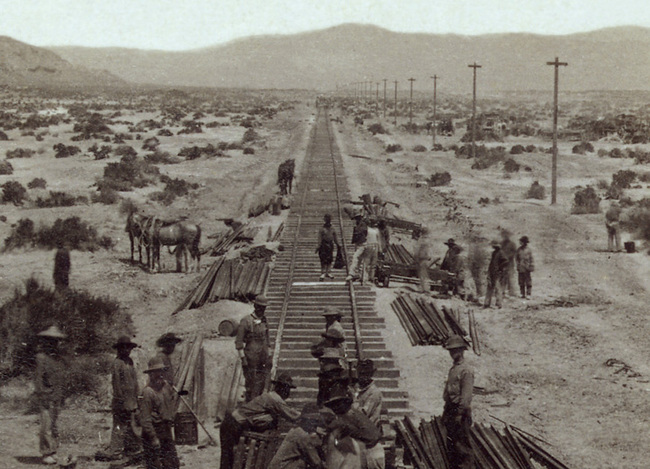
{"x":522,"y":290}
{"x":529,"y":290}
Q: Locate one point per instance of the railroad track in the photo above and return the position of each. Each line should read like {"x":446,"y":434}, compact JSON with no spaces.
{"x":297,"y":297}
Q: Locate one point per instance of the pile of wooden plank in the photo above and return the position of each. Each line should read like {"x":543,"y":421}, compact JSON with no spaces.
{"x":512,"y":448}
{"x":229,"y":279}
{"x":225,"y":240}
{"x":190,"y":374}
{"x":424,"y":322}
{"x":255,"y":450}
{"x":232,"y":386}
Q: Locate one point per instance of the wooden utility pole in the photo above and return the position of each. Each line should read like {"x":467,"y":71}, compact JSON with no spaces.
{"x":411,"y":102}
{"x":385,"y":80}
{"x":435,"y":82}
{"x":395,"y":110}
{"x":474,"y":66}
{"x":377,"y":101}
{"x":557,"y":65}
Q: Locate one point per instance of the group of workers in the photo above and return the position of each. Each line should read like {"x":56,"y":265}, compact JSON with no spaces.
{"x":343,"y":427}
{"x":142,"y":420}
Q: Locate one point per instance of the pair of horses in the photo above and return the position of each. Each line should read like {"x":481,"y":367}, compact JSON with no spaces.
{"x":152,"y":233}
{"x":285,"y":176}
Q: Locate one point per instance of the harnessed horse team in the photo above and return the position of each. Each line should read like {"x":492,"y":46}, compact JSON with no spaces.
{"x":152,"y":232}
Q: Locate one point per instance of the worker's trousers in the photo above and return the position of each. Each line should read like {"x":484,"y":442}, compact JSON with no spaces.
{"x":613,"y":239}
{"x":423,"y":275}
{"x":164,"y":456}
{"x":122,"y":437}
{"x":494,"y":288}
{"x":459,"y":449}
{"x":365,"y":257}
{"x":48,"y":435}
{"x":229,"y":433}
{"x":255,"y":374}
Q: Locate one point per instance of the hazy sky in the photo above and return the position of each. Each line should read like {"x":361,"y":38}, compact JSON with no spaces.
{"x":189,"y":24}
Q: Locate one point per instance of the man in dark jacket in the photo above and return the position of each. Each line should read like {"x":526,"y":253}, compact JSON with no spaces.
{"x":167,"y":343}
{"x":61,"y":272}
{"x":252,"y":344}
{"x":509,"y":250}
{"x":497,"y":271}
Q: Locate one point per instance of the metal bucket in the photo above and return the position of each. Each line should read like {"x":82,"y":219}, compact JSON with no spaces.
{"x":186,"y":431}
{"x":630,"y":247}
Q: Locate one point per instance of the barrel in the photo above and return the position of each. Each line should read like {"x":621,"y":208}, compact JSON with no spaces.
{"x":228,"y":327}
{"x":186,"y":431}
{"x":629,"y":247}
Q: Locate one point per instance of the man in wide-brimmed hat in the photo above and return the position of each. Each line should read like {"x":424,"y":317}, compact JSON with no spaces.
{"x":300,"y":448}
{"x":525,"y":267}
{"x":496,"y":275}
{"x":125,"y":402}
{"x":252,"y":344}
{"x":48,"y":389}
{"x":157,"y":411}
{"x":260,"y":414}
{"x":453,"y":263}
{"x":368,"y":397}
{"x":457,"y":414}
{"x":167,"y":343}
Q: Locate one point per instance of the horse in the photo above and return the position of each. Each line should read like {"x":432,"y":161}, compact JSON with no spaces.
{"x":285,"y":176}
{"x":134,"y":227}
{"x":184,"y":235}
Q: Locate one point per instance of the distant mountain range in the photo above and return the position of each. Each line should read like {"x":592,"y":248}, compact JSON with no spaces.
{"x":25,"y":65}
{"x":607,"y":59}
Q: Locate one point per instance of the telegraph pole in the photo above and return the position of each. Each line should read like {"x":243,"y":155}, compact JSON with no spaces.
{"x":557,"y":65}
{"x":411,"y":102}
{"x":474,"y":66}
{"x":395,"y":110}
{"x":385,"y":80}
{"x":435,"y":80}
{"x":377,"y":101}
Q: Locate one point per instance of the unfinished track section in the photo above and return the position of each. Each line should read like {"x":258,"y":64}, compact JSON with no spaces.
{"x":297,"y":297}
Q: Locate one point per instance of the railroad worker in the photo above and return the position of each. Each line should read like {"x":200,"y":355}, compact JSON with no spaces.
{"x":61,"y":273}
{"x":365,"y":258}
{"x":48,"y":390}
{"x":332,"y":338}
{"x":157,"y":411}
{"x":252,"y":344}
{"x":368,"y":398}
{"x":423,"y":259}
{"x":509,"y":250}
{"x":333,"y":317}
{"x":301,"y":447}
{"x":260,"y":414}
{"x":612,"y":223}
{"x":384,"y":237}
{"x":167,"y":343}
{"x":453,"y":263}
{"x":457,"y":414}
{"x":125,"y":402}
{"x":525,"y":266}
{"x":327,"y":239}
{"x":352,"y":423}
{"x":359,"y":238}
{"x":497,"y":272}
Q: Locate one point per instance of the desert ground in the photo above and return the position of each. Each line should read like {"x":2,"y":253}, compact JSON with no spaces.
{"x":543,"y":362}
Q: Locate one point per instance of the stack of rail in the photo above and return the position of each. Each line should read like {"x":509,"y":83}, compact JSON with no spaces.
{"x":511,"y":448}
{"x":398,"y":254}
{"x":229,"y":279}
{"x":226,"y":240}
{"x":424,"y":322}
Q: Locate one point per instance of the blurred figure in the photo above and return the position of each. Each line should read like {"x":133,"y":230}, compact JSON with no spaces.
{"x":326,"y":241}
{"x":612,"y":223}
{"x":453,"y":263}
{"x":365,"y":257}
{"x":252,"y":344}
{"x":48,"y":390}
{"x":368,"y":399}
{"x":359,"y":237}
{"x":61,"y":274}
{"x":457,"y":414}
{"x":423,"y":260}
{"x":167,"y":343}
{"x":496,"y":277}
{"x":509,"y":250}
{"x":157,"y":411}
{"x":525,"y":266}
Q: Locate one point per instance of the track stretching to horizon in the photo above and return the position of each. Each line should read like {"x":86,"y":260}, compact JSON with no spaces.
{"x":297,"y":297}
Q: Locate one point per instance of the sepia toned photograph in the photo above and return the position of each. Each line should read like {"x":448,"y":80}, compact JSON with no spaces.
{"x":359,"y":234}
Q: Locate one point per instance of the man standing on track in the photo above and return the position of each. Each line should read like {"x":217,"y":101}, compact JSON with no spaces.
{"x":327,"y":240}
{"x":457,"y":415}
{"x":252,"y":344}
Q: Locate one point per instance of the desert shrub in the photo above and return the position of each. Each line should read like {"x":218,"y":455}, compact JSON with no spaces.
{"x":91,"y":125}
{"x":250,"y":136}
{"x":173,"y":188}
{"x":165,"y":133}
{"x":22,"y":234}
{"x":6,"y":168}
{"x":106,"y":196}
{"x":125,"y":150}
{"x":439,"y":179}
{"x":517,"y":150}
{"x":437,"y":147}
{"x":536,"y":191}
{"x":419,"y":148}
{"x":586,"y":201}
{"x":602,"y":152}
{"x":511,"y":166}
{"x":192,"y":153}
{"x":160,"y":157}
{"x":614,"y":192}
{"x":530,"y":148}
{"x":20,"y":153}
{"x":37,"y":183}
{"x":13,"y":192}
{"x":191,"y":127}
{"x":377,"y":128}
{"x":488,"y":157}
{"x":249,"y":151}
{"x":477,"y":260}
{"x":3,"y":136}
{"x":128,"y":173}
{"x":641,"y":157}
{"x":582,"y":148}
{"x":150,"y":144}
{"x":393,"y":148}
{"x":57,"y":199}
{"x":644,"y":177}
{"x":616,"y":153}
{"x":623,"y":179}
{"x":64,"y":151}
{"x":234,"y":146}
{"x":90,"y":322}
